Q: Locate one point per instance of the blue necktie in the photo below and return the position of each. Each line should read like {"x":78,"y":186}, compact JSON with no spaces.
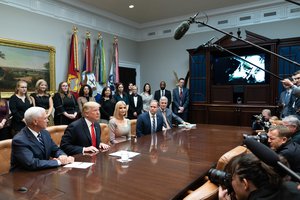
{"x":153,"y":124}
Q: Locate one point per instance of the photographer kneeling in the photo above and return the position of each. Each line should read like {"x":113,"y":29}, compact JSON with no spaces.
{"x":252,"y":179}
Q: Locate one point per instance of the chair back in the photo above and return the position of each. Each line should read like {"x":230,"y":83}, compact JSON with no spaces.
{"x":56,"y":133}
{"x":5,"y":155}
{"x":104,"y":133}
{"x":133,"y":127}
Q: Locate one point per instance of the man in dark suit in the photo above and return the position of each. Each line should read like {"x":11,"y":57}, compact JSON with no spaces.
{"x":167,"y":113}
{"x":83,"y":135}
{"x":163,"y":92}
{"x":135,"y":104}
{"x":32,"y":147}
{"x":181,"y":100}
{"x":149,"y":122}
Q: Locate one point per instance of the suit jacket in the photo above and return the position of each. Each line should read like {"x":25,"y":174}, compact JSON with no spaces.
{"x":176,"y":99}
{"x":169,"y":116}
{"x":157,"y":96}
{"x":143,"y":124}
{"x":28,"y":153}
{"x":284,"y":101}
{"x":77,"y":135}
{"x":132,"y":107}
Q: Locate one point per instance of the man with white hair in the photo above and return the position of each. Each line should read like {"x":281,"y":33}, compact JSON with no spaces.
{"x":293,"y":124}
{"x":33,"y":147}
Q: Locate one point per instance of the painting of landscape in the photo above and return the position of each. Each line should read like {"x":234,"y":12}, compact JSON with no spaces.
{"x":22,"y":64}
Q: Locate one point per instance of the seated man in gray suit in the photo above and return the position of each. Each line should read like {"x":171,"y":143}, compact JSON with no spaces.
{"x":33,"y":147}
{"x":167,"y":113}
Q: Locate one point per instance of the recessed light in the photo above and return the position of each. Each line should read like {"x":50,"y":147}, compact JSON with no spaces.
{"x":131,"y":6}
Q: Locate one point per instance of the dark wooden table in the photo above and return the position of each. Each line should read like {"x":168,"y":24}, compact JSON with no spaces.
{"x":169,"y":164}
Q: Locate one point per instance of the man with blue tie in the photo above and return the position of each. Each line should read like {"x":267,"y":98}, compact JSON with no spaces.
{"x":84,"y":134}
{"x":149,"y":122}
{"x":181,"y":98}
{"x":33,"y":147}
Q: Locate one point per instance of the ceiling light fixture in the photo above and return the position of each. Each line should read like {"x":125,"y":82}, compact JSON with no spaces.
{"x":131,"y":6}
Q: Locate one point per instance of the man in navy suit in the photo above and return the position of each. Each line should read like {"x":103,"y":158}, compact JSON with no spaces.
{"x":181,"y":100}
{"x":83,"y":135}
{"x":167,"y":113}
{"x":32,"y":147}
{"x":163,"y":92}
{"x":149,"y":122}
{"x":135,"y":104}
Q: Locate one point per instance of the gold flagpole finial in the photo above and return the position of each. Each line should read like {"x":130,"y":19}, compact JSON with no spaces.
{"x":99,"y":35}
{"x":115,"y":39}
{"x":88,"y":34}
{"x":75,"y":29}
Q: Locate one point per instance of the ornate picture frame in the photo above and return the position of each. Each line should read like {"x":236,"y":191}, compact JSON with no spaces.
{"x":25,"y":61}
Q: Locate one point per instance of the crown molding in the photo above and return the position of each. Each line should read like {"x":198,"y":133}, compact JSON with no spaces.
{"x":81,"y":14}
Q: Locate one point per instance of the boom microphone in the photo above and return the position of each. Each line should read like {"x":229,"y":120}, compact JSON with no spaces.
{"x":184,"y":27}
{"x":268,"y":156}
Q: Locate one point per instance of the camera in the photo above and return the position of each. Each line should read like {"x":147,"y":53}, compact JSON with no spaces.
{"x":262,"y":138}
{"x":221,"y":178}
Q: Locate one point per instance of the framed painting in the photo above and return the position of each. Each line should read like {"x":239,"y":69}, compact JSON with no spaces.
{"x":25,"y":61}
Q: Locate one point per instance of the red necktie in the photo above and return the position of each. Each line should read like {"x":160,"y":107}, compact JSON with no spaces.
{"x":94,"y":143}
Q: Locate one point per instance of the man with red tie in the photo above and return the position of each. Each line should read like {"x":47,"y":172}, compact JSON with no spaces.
{"x":181,"y":100}
{"x":83,"y":135}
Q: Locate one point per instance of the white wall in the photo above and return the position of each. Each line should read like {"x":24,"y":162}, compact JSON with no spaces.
{"x":21,"y":25}
{"x":157,"y":58}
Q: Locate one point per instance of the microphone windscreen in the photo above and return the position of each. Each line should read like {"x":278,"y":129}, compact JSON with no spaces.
{"x":181,"y":30}
{"x":261,"y":151}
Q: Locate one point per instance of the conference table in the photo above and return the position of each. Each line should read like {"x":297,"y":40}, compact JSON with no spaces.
{"x":170,"y":163}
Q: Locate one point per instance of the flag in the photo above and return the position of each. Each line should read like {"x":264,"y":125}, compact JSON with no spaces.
{"x":114,"y":68}
{"x":87,"y":74}
{"x":99,"y":61}
{"x":73,"y":73}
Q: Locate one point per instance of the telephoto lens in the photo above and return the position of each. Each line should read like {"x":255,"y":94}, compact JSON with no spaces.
{"x":221,"y":178}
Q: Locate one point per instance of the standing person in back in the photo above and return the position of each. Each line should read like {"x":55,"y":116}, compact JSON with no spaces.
{"x":5,"y":122}
{"x":43,"y":99}
{"x":65,"y":105}
{"x":135,"y":104}
{"x":18,"y":104}
{"x":85,"y":95}
{"x":147,"y":97}
{"x":120,"y":95}
{"x":181,"y":98}
{"x":84,"y":134}
{"x":149,"y":122}
{"x":163,"y":92}
{"x":107,"y":103}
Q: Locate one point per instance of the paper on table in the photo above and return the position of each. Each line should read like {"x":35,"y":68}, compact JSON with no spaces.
{"x":80,"y":165}
{"x":119,"y":153}
{"x":187,"y":125}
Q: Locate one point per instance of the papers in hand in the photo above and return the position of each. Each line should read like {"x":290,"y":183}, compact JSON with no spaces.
{"x":79,"y":165}
{"x":119,"y":153}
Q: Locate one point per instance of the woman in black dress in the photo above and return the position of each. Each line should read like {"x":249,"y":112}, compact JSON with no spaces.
{"x":43,"y":99}
{"x":5,"y":127}
{"x":18,"y":104}
{"x":65,"y":105}
{"x":107,"y":105}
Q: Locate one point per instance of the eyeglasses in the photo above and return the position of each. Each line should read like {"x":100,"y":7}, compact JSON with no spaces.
{"x":296,"y":78}
{"x":64,"y":86}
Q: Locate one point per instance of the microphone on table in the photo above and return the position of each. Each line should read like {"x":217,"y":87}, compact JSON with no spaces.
{"x":184,"y":27}
{"x":269,"y":157}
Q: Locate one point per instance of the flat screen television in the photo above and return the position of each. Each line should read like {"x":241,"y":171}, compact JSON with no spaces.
{"x":232,"y":70}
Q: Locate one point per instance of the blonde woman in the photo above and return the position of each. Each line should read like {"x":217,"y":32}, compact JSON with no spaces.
{"x":18,"y":104}
{"x":43,"y":99}
{"x":119,"y":126}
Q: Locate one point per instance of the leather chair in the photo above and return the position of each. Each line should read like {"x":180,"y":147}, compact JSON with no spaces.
{"x":104,"y":133}
{"x":56,"y":132}
{"x":5,"y":154}
{"x":209,"y":191}
{"x":133,"y":127}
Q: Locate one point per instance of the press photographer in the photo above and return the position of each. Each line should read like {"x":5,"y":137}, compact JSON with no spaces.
{"x":261,"y":122}
{"x":252,"y":179}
